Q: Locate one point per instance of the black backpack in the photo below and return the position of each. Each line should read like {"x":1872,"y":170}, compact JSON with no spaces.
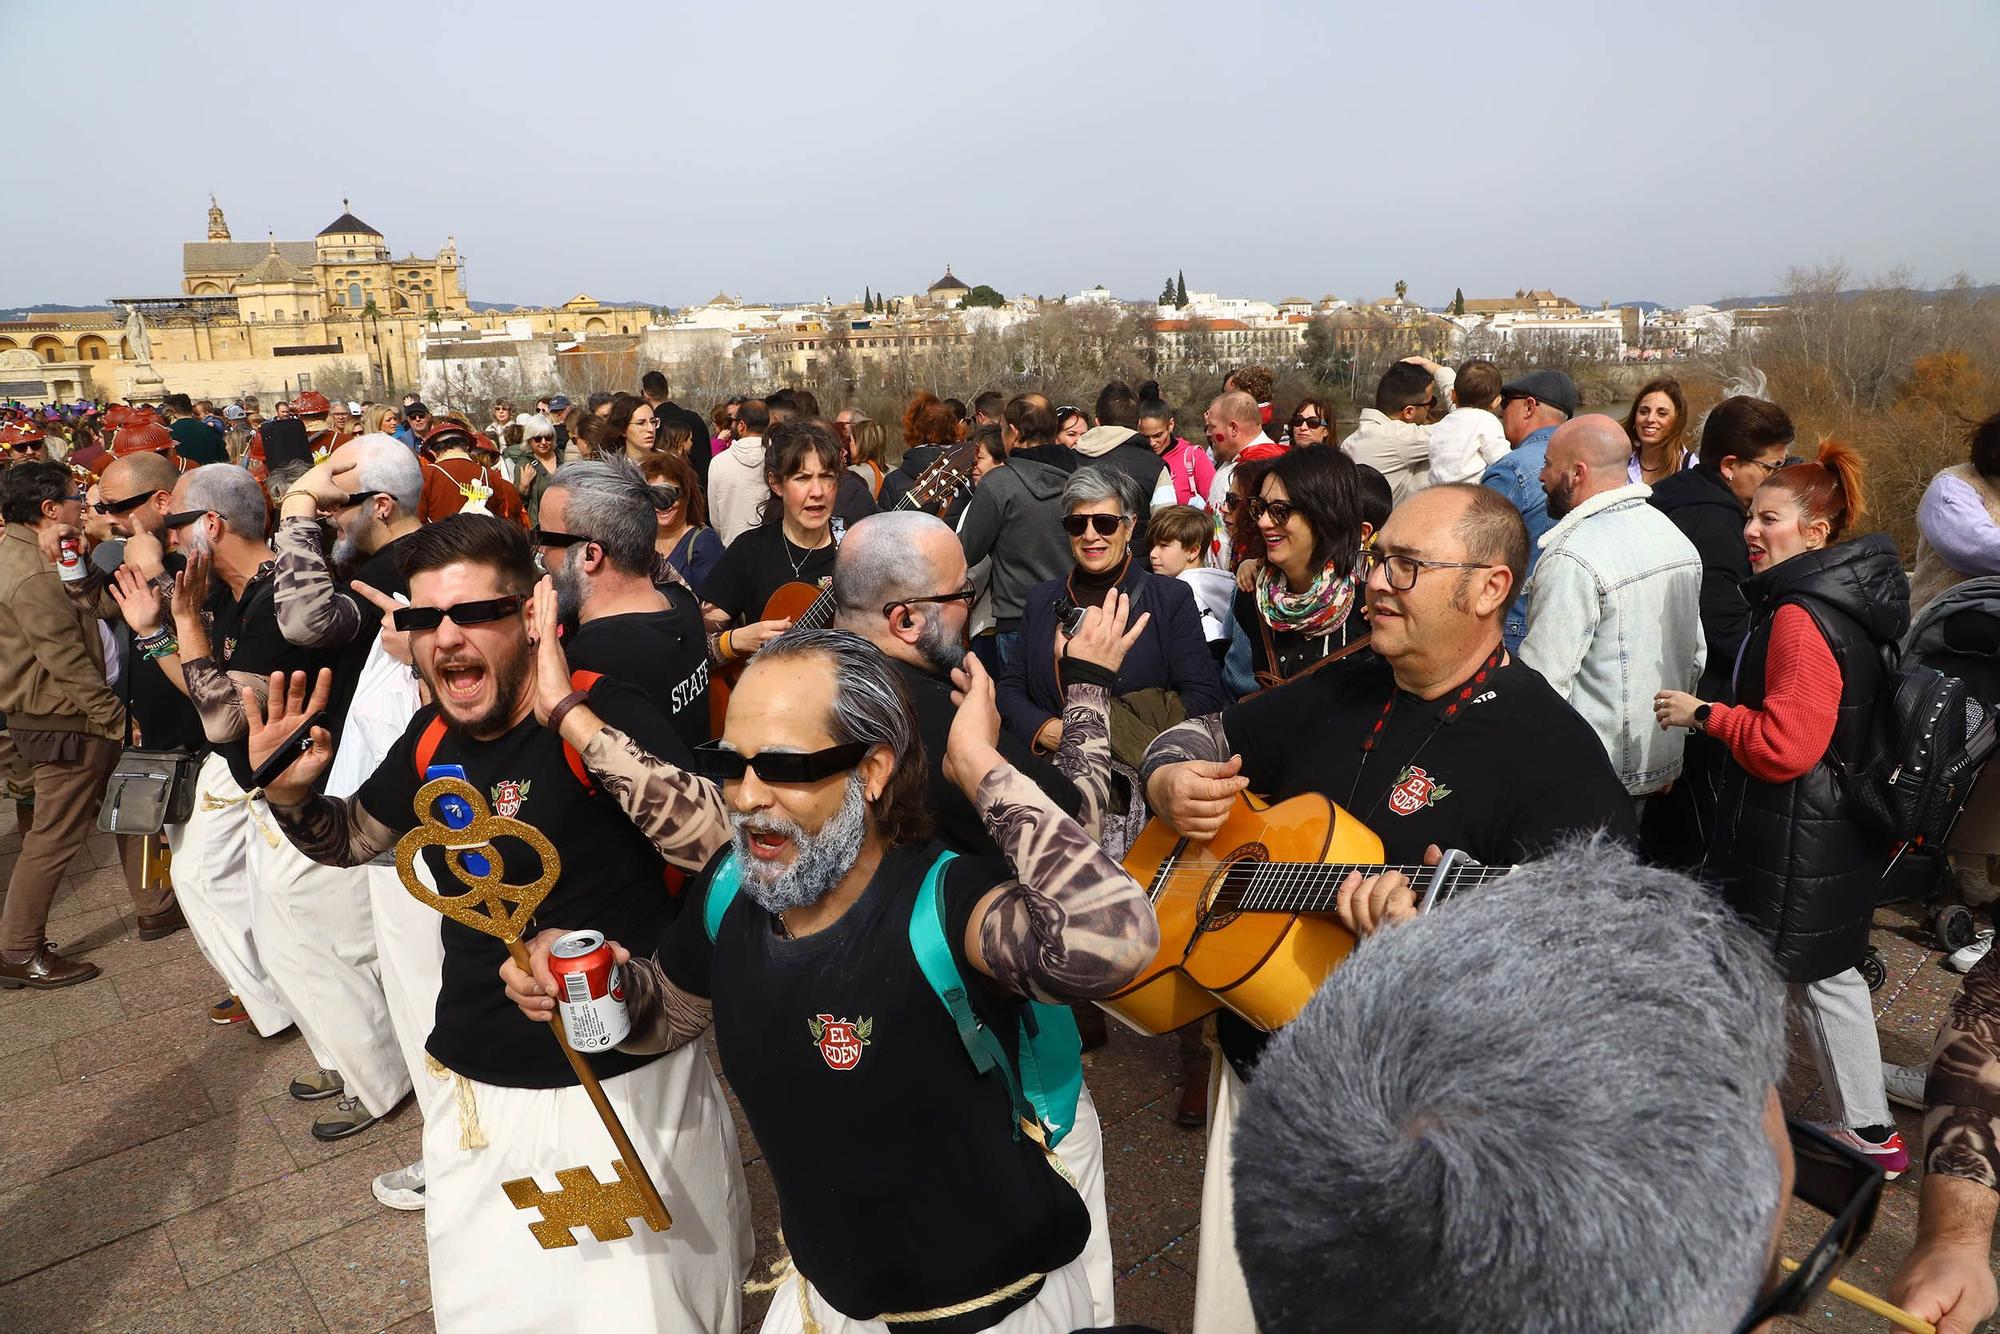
{"x":1928,"y":741}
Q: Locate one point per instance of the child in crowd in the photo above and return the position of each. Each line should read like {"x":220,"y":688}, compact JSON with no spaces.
{"x":1180,"y":534}
{"x":1469,"y":437}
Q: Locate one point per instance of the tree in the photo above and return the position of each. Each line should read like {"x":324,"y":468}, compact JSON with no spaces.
{"x":867,"y":302}
{"x":983,"y":295}
{"x":1180,"y":290}
{"x":1167,"y":293}
{"x":1321,"y":351}
{"x":1458,"y":302}
{"x":1402,"y":290}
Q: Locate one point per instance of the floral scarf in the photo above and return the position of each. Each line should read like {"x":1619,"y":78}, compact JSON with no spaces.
{"x":1320,"y":610}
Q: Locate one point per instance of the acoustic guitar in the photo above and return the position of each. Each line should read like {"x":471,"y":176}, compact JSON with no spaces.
{"x":1246,"y":918}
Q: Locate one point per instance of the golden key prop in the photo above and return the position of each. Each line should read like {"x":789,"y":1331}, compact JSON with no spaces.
{"x":581,"y":1200}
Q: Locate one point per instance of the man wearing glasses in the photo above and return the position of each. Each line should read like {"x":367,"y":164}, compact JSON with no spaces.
{"x":1394,"y":436}
{"x":470,"y":576}
{"x":1437,"y":740}
{"x":1548,"y":1104}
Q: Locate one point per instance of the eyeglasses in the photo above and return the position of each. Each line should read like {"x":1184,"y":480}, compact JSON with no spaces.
{"x":182,"y":518}
{"x":717,"y":762}
{"x":1839,"y":1181}
{"x":1230,"y":502}
{"x":126,"y":505}
{"x":1402,"y":571}
{"x":549,"y":537}
{"x":966,"y":594}
{"x":1312,"y":423}
{"x":358,"y":498}
{"x":481,"y":612}
{"x":1768,"y":468}
{"x":1104,"y":524}
{"x":1279,"y":510}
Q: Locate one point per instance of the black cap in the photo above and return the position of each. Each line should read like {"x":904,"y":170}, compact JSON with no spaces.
{"x":1550,"y":387}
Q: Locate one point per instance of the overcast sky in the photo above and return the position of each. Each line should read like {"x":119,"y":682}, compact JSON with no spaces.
{"x":786,"y":151}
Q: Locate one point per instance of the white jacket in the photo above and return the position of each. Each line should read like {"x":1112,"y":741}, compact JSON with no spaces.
{"x":736,"y":488}
{"x":1614,"y":617}
{"x":1464,"y":443}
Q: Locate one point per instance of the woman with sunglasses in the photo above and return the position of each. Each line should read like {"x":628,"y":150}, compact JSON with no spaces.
{"x":1311,"y":423}
{"x":1170,"y":657}
{"x":685,"y":541}
{"x":1786,"y":849}
{"x":1307,"y":517}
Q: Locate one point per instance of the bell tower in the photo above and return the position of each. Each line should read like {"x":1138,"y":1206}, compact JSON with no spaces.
{"x":218,"y":227}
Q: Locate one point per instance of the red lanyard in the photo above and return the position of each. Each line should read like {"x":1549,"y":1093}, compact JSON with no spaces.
{"x":1451,"y":710}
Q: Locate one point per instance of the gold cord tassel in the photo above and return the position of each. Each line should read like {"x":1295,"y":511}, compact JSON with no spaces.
{"x":470,"y":1135}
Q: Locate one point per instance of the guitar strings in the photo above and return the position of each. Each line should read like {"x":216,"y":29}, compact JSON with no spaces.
{"x":1292,"y":885}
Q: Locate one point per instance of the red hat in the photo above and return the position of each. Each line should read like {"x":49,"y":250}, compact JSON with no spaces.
{"x":442,"y":433}
{"x":141,"y":434}
{"x":312,"y":403}
{"x":1257,"y":453}
{"x":21,"y":433}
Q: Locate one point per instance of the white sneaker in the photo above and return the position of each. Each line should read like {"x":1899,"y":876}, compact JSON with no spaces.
{"x":1961,"y":961}
{"x":1905,"y":1084}
{"x":404,"y":1188}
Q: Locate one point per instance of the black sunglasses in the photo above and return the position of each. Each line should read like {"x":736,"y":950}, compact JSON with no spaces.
{"x":465,"y":613}
{"x":1313,"y":423}
{"x":1076,"y":525}
{"x":126,"y":505}
{"x":966,"y":594}
{"x":182,"y":518}
{"x":549,"y":537}
{"x":358,"y":498}
{"x":1838,"y":1181}
{"x":722,"y":765}
{"x":1279,"y":510}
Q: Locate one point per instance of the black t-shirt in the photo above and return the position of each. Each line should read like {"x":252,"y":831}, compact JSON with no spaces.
{"x":757,"y":564}
{"x":612,"y":880}
{"x":958,"y":824}
{"x":1508,"y":773}
{"x":244,"y":637}
{"x":900,"y":1184}
{"x":664,"y":653}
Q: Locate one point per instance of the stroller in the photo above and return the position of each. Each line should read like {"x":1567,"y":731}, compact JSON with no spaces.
{"x":1958,"y":633}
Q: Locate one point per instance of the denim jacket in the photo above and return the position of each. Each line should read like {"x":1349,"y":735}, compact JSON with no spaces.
{"x":1519,"y":478}
{"x":1614,"y":617}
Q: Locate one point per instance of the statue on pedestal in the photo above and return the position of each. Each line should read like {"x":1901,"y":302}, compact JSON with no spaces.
{"x":136,"y":335}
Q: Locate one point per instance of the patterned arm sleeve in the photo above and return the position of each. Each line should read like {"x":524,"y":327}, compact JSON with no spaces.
{"x":683,"y":815}
{"x":1084,"y":757}
{"x":1074,"y":925}
{"x":92,"y":594}
{"x":663,"y":1016}
{"x":1195,"y":739}
{"x":335,"y":833}
{"x":312,"y":611}
{"x":1962,"y":1123}
{"x":216,"y":697}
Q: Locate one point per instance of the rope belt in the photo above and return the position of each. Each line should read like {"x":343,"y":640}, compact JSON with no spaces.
{"x":211,"y":802}
{"x":470,"y":1135}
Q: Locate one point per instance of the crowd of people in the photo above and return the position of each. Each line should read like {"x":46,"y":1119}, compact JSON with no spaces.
{"x":770,"y":680}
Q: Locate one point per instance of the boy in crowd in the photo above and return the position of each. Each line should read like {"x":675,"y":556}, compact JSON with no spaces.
{"x":1470,"y":436}
{"x":1180,"y":535}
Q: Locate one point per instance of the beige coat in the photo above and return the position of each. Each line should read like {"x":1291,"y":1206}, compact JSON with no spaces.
{"x":51,"y":657}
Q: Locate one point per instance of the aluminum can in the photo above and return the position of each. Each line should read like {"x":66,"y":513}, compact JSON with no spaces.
{"x":69,"y":559}
{"x":591,"y":992}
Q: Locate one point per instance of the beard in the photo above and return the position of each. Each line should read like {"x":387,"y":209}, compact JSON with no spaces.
{"x":941,"y":648}
{"x":819,"y":860}
{"x":510,"y":677}
{"x":196,"y":542}
{"x":1561,"y":500}
{"x":572,"y":586}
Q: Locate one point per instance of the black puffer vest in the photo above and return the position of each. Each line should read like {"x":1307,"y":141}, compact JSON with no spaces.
{"x":1787,"y":855}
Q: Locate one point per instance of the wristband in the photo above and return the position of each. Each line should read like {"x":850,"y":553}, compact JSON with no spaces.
{"x":166,"y":648}
{"x":1077,"y":672}
{"x":724,"y":648}
{"x":147,"y":641}
{"x":297,"y":491}
{"x":563,"y":706}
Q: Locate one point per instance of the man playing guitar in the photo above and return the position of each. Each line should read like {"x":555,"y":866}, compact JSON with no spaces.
{"x":1438,"y":739}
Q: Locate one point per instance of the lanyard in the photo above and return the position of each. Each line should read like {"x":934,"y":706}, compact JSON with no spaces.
{"x":1447,"y":715}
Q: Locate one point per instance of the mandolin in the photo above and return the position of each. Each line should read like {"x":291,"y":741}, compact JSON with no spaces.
{"x":1246,"y":918}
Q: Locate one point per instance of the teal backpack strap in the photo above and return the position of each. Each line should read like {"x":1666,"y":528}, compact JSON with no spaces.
{"x":932,"y":948}
{"x":722,"y":887}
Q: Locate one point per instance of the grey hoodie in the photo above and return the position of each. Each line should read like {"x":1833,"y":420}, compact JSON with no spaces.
{"x":1016,"y":518}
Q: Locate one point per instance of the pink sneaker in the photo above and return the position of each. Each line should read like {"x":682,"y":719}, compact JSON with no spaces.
{"x":1889,"y":1155}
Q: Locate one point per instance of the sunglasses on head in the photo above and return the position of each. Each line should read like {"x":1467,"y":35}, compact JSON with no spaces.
{"x":1837,"y":1181}
{"x":464,"y":613}
{"x":1076,"y":525}
{"x":717,"y":762}
{"x":549,"y":537}
{"x":127,"y":505}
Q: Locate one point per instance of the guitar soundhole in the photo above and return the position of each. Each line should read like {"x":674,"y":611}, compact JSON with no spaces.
{"x":1225,"y":880}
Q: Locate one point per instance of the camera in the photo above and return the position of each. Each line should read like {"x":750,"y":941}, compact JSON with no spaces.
{"x":1069,"y":616}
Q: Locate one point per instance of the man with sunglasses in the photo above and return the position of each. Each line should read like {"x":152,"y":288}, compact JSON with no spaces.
{"x":1394,"y":436}
{"x":1581,"y":1062}
{"x":909,"y":1188}
{"x":1436,"y":740}
{"x":1531,"y":407}
{"x":469,"y":578}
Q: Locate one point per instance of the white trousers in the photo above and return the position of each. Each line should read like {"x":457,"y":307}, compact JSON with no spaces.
{"x":1082,"y":1152}
{"x":1062,"y":1306}
{"x":489,"y":1274}
{"x":1221,"y":1297}
{"x":316,"y":934}
{"x":214,"y":886}
{"x":410,"y":953}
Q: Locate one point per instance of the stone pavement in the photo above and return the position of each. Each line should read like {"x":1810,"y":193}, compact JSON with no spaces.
{"x":154,"y":1175}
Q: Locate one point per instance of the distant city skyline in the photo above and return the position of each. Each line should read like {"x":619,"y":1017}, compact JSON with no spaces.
{"x":791,"y":152}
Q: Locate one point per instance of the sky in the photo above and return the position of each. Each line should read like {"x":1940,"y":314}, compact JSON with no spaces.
{"x":787,"y":151}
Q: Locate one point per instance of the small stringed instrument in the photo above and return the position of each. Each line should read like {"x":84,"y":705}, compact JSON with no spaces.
{"x":1246,"y":918}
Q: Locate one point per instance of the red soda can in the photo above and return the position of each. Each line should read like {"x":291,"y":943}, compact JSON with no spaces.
{"x":69,"y":558}
{"x":591,"y":993}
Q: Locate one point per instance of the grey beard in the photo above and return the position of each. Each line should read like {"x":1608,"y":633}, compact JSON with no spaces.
{"x":818,"y":860}
{"x":346,"y":547}
{"x":572,"y":587}
{"x":196,"y":542}
{"x":940,"y":648}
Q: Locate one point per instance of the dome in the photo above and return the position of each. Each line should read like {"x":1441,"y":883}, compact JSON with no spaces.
{"x":948,"y":283}
{"x":273,"y":268}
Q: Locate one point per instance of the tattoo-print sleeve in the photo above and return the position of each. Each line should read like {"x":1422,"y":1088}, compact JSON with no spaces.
{"x":1072,"y":925}
{"x":663,"y":1016}
{"x":216,"y":697}
{"x":1195,"y":739}
{"x":683,"y":815}
{"x":335,"y":832}
{"x":312,"y":611}
{"x":1084,"y":757}
{"x":1962,"y":1123}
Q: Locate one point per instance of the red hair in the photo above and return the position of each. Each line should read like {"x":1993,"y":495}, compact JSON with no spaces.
{"x":928,"y":420}
{"x":1828,"y":488}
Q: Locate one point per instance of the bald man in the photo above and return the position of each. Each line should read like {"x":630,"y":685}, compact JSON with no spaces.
{"x":1614,"y":605}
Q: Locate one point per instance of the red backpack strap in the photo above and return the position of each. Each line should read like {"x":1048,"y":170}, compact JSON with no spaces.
{"x":427,"y":744}
{"x":584,"y":681}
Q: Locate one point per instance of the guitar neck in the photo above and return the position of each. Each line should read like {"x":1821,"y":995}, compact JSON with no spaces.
{"x":819,"y":615}
{"x":1249,"y":886}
